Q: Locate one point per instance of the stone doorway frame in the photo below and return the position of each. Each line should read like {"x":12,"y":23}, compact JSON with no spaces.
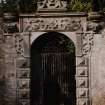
{"x":81,"y":41}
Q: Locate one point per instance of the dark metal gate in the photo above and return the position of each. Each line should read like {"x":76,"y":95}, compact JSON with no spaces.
{"x":57,"y":77}
{"x":53,"y":74}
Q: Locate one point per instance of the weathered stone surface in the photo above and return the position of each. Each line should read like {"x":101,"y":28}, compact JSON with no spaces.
{"x":98,"y":71}
{"x":22,"y":63}
{"x":41,"y":24}
{"x":7,"y":92}
{"x":15,"y":61}
{"x":48,"y":22}
{"x":23,"y":73}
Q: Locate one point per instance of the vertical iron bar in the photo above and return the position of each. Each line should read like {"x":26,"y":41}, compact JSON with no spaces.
{"x":56,"y":61}
{"x":59,"y":68}
{"x":53,"y":65}
{"x":42,"y":78}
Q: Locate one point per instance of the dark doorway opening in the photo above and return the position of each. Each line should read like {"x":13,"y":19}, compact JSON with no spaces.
{"x":53,"y":70}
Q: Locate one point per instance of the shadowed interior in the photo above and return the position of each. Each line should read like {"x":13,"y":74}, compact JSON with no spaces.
{"x":53,"y":70}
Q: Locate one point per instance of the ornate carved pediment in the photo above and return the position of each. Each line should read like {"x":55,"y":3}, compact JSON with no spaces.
{"x":51,"y":4}
{"x":52,"y":24}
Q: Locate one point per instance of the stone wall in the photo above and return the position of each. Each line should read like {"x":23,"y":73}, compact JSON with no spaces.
{"x":7,"y":71}
{"x":15,"y":50}
{"x":7,"y":65}
{"x":98,"y":70}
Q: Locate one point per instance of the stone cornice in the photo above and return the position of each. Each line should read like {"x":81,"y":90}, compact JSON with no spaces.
{"x":56,"y":14}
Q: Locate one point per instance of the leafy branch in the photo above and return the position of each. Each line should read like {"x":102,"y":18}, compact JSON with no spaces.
{"x":80,"y":6}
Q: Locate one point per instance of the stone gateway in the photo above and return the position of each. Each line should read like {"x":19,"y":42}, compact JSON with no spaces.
{"x":52,"y":57}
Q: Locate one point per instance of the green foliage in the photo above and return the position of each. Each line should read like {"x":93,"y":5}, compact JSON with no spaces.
{"x":9,"y":6}
{"x":80,"y":6}
{"x":67,"y":43}
{"x":18,"y":6}
{"x":102,"y":5}
{"x":30,"y":6}
{"x":27,"y":6}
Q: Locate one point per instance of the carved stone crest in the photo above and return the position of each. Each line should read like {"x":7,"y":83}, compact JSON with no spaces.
{"x":51,"y":4}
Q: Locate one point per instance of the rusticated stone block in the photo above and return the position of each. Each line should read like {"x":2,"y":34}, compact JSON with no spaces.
{"x":23,"y":84}
{"x":23,"y":73}
{"x":82,"y":92}
{"x":24,"y":94}
{"x":82,"y":82}
{"x":81,"y":62}
{"x":82,"y":71}
{"x":82,"y":101}
{"x":24,"y":102}
{"x":22,"y":63}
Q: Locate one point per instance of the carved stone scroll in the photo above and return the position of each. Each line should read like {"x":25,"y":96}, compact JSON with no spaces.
{"x":87,"y":43}
{"x":19,"y":45}
{"x":50,"y":24}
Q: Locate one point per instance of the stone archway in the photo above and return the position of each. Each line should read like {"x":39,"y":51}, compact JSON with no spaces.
{"x":53,"y":70}
{"x":82,"y":67}
{"x":74,"y":29}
